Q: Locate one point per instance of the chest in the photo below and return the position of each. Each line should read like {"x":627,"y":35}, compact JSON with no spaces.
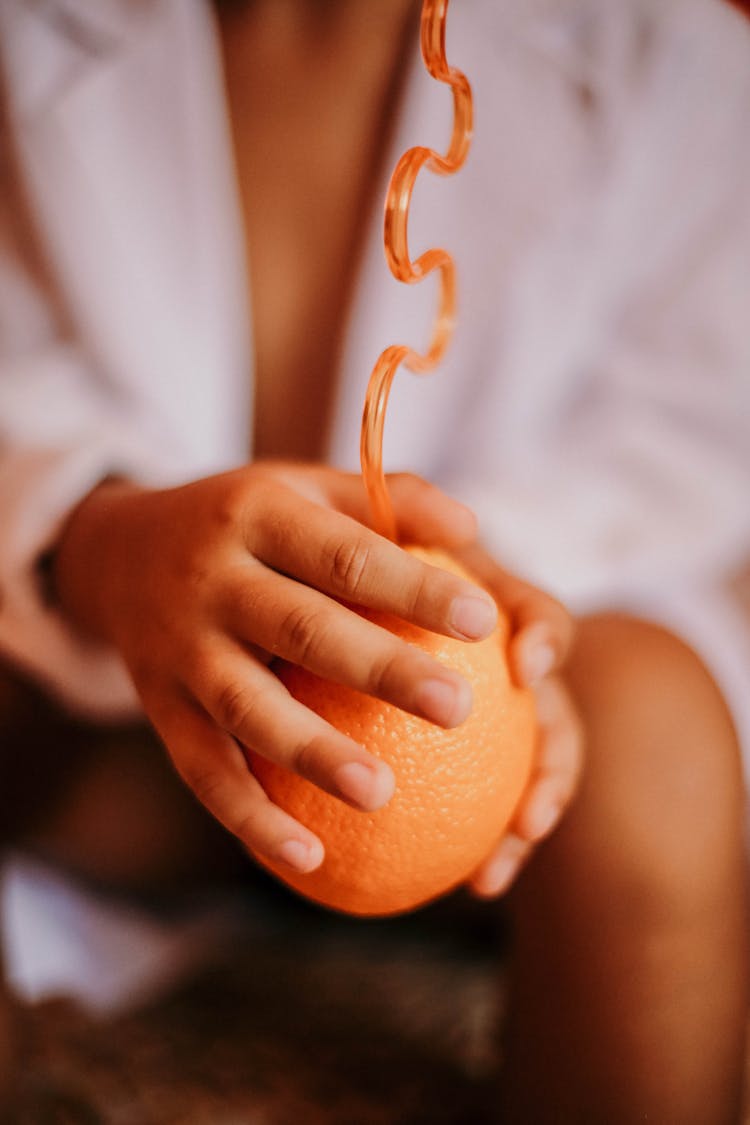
{"x":309,"y":132}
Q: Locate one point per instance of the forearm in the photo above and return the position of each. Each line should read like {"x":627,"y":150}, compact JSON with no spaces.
{"x":91,"y":554}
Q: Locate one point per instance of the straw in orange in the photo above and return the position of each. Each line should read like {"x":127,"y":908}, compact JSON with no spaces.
{"x":398,"y":201}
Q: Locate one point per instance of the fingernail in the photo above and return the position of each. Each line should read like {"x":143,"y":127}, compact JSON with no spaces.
{"x":541,"y":818}
{"x":369,"y":788}
{"x":444,"y":702}
{"x":472,"y":617}
{"x":501,"y":875}
{"x":299,"y":856}
{"x":538,"y":663}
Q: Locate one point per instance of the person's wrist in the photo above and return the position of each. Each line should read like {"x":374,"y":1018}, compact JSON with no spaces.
{"x":91,"y":552}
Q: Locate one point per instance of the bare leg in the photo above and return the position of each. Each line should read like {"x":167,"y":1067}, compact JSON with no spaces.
{"x":630,"y":986}
{"x":631,"y":980}
{"x":126,"y":822}
{"x":104,"y":803}
{"x":7,"y":1055}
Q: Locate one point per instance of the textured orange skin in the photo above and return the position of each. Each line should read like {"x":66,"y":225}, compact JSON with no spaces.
{"x":456,"y":790}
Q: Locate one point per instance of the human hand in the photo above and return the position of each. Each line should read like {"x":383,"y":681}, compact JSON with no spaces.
{"x":541,"y":636}
{"x":200,"y":587}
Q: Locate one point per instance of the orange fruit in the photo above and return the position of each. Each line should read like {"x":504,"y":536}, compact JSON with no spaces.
{"x":456,"y":790}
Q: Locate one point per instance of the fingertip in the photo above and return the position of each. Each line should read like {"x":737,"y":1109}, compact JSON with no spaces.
{"x":539,"y":663}
{"x":446,"y":702}
{"x":480,"y":887}
{"x":473,"y":615}
{"x":302,"y":856}
{"x":542,"y":813}
{"x":367,"y":787}
{"x":498,"y":873}
{"x":540,"y":822}
{"x":385,"y":786}
{"x":534,"y":655}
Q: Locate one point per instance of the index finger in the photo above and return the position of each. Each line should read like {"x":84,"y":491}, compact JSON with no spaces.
{"x":335,"y":554}
{"x":423,"y":512}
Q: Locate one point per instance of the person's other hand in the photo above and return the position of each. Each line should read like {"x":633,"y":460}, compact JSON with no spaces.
{"x":541,"y":636}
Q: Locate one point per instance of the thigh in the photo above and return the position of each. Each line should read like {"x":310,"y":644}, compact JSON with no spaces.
{"x":632,"y":925}
{"x":43,"y":751}
{"x":102,"y":801}
{"x":663,"y":782}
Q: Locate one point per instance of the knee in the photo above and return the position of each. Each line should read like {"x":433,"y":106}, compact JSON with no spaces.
{"x":662,"y":799}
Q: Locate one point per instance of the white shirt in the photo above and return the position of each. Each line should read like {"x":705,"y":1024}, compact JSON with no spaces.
{"x":595,"y":405}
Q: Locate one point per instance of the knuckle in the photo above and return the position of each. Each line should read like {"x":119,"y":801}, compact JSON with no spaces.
{"x":386,"y":674}
{"x":192,"y":567}
{"x":348,"y":563}
{"x":242,"y":503}
{"x":409,"y":483}
{"x":205,"y":783}
{"x":196,"y":665}
{"x":231,"y":499}
{"x":562,"y":734}
{"x":245,"y":828}
{"x":421,"y":596}
{"x":235,"y":708}
{"x":271,"y":528}
{"x":308,"y":757}
{"x":209,"y":787}
{"x":302,"y":629}
{"x":554,"y":706}
{"x":557,"y":618}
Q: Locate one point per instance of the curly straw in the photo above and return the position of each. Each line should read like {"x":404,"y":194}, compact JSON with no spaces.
{"x":398,"y":200}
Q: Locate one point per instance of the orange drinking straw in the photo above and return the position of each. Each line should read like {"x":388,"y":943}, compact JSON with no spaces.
{"x":398,"y":200}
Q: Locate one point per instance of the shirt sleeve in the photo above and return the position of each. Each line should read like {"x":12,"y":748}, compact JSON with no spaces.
{"x":63,"y":429}
{"x":608,"y":447}
{"x":58,"y":439}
